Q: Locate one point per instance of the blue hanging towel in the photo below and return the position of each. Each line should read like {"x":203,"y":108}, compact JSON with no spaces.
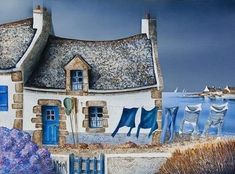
{"x":148,"y":120}
{"x":127,"y":119}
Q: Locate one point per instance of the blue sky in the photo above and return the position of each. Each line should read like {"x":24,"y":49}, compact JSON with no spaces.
{"x":196,"y":38}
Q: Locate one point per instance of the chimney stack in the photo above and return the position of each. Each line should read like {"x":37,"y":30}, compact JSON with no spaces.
{"x":148,"y":26}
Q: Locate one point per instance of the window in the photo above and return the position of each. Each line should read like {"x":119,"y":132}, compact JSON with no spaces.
{"x":76,"y":80}
{"x":95,"y":117}
{"x":3,"y":98}
{"x":50,"y":115}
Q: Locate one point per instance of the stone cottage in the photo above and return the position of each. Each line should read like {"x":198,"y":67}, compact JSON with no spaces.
{"x":38,"y":71}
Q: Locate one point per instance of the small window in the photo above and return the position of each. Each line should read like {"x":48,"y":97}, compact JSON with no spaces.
{"x":50,"y":115}
{"x":95,"y":117}
{"x":3,"y":98}
{"x":76,"y":80}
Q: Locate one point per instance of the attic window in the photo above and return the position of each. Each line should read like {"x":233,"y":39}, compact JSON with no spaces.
{"x":77,"y":80}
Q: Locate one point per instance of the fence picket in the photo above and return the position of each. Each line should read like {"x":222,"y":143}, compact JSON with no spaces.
{"x":95,"y":165}
{"x":79,"y":165}
{"x":101,"y":160}
{"x":71,"y":163}
{"x":76,"y":165}
{"x":87,"y":165}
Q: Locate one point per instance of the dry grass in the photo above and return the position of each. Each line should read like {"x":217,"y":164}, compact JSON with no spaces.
{"x":209,"y":158}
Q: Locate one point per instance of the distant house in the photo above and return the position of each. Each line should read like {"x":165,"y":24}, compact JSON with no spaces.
{"x":229,"y":90}
{"x":39,"y":70}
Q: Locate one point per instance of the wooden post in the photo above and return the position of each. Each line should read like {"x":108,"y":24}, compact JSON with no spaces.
{"x":71,"y":163}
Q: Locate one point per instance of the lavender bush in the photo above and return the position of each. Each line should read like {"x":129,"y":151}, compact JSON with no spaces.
{"x":18,"y":154}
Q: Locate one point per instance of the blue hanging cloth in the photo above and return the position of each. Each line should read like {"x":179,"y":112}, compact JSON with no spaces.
{"x":127,"y":119}
{"x":148,"y":120}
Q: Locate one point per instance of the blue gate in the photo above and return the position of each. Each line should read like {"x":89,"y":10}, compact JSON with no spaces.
{"x":79,"y":165}
{"x":50,"y":115}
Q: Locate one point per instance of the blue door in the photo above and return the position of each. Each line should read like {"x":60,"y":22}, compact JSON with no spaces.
{"x":50,"y":115}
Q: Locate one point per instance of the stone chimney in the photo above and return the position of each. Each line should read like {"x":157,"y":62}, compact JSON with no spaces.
{"x":38,"y":16}
{"x":148,"y":26}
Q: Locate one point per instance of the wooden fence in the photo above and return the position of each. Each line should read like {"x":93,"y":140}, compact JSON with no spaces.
{"x":80,"y":165}
{"x":61,"y":163}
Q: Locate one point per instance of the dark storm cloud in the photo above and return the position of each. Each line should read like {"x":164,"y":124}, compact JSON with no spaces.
{"x":195,"y":37}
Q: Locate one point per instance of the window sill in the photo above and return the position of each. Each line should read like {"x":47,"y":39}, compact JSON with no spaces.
{"x":95,"y":130}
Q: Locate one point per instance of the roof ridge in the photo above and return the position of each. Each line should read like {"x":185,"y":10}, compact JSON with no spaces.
{"x":18,"y":22}
{"x":93,"y":41}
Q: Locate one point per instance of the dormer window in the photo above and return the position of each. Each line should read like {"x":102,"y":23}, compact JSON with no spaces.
{"x":76,"y":80}
{"x":77,"y":76}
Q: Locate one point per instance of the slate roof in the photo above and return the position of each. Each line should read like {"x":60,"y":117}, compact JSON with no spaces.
{"x":118,"y":64}
{"x":15,"y":38}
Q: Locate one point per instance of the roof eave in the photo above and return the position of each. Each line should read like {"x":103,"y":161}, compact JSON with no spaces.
{"x":94,"y":91}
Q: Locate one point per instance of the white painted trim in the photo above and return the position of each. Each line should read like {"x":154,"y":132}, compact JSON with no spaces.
{"x":154,"y":54}
{"x":93,"y":91}
{"x":122,"y":90}
{"x":9,"y":70}
{"x":135,"y":155}
{"x":38,"y":25}
{"x":44,"y":90}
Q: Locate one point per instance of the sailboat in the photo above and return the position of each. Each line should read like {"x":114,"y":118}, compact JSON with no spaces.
{"x":176,"y":90}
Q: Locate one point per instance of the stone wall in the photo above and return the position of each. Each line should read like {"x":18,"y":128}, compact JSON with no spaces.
{"x":134,"y":163}
{"x":157,"y":96}
{"x":17,"y":104}
{"x":37,"y":120}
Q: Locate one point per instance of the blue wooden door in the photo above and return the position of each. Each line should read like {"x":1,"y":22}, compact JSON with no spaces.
{"x":50,"y":115}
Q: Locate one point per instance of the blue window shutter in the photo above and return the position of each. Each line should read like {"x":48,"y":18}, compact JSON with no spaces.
{"x":3,"y":98}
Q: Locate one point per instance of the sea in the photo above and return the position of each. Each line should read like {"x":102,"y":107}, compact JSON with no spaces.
{"x":171,"y":99}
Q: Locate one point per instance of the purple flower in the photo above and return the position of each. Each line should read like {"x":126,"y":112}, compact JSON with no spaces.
{"x":18,"y":154}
